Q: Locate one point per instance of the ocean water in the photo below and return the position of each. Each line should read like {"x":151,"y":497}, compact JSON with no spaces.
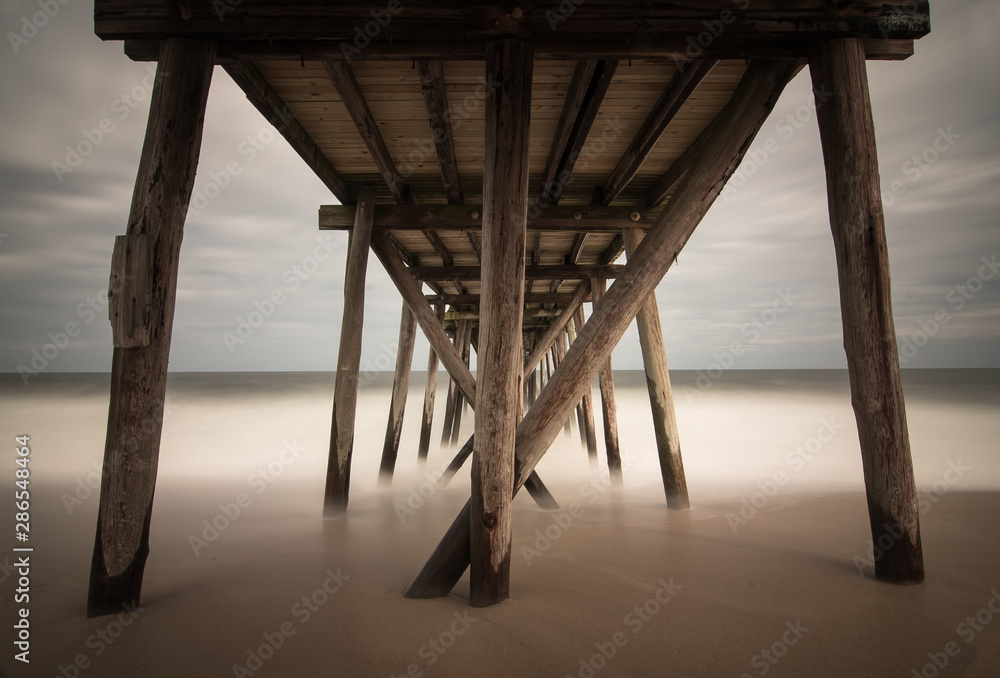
{"x":741,"y":430}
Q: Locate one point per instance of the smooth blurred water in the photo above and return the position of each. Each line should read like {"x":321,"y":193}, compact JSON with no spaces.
{"x":230,"y":429}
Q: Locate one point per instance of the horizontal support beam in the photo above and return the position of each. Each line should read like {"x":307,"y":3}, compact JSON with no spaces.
{"x":560,"y":299}
{"x":669,"y":49}
{"x":550,"y":272}
{"x":455,"y":21}
{"x":470,"y":218}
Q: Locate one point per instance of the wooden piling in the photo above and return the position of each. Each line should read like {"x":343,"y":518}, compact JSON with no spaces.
{"x":451,"y":401}
{"x":560,"y":351}
{"x":661,"y":398}
{"x":847,"y":133}
{"x":430,"y":395}
{"x":588,"y":403}
{"x":400,"y":387}
{"x":580,"y":425}
{"x":505,"y":190}
{"x":460,"y":400}
{"x":139,"y":364}
{"x":345,"y":395}
{"x":608,"y":404}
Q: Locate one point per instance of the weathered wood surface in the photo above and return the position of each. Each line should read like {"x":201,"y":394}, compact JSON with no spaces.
{"x":131,"y":290}
{"x":847,"y":132}
{"x":661,"y":397}
{"x":460,"y":401}
{"x":400,"y":387}
{"x":753,"y":101}
{"x":435,"y":93}
{"x":588,"y":401}
{"x":446,"y":218}
{"x":345,"y":395}
{"x":544,"y":272}
{"x":430,"y":395}
{"x":637,"y":26}
{"x":609,"y":406}
{"x":160,"y":202}
{"x":505,"y":213}
{"x":451,"y":400}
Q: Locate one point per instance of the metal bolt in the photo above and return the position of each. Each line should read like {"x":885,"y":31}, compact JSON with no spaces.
{"x":635,"y":216}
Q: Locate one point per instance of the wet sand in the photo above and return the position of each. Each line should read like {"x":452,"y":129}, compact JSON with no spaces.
{"x":611,"y":585}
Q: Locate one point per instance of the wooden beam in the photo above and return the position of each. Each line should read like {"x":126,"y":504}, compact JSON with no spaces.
{"x":474,"y":241}
{"x":451,"y":400}
{"x":160,"y":202}
{"x":436,"y":100}
{"x":533,"y":298}
{"x":345,"y":395}
{"x":588,"y":401}
{"x":671,"y":178}
{"x":447,"y":28}
{"x":661,"y":398}
{"x":400,"y":388}
{"x":609,"y":406}
{"x":571,"y":219}
{"x":847,"y":133}
{"x":546,"y":272}
{"x":681,"y":86}
{"x":263,"y":97}
{"x":430,"y":394}
{"x":505,"y":214}
{"x":551,"y":334}
{"x":746,"y":112}
{"x":573,"y":103}
{"x":613,"y":250}
{"x":354,"y":101}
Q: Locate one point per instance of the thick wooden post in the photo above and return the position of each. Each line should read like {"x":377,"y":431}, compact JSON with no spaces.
{"x":505,"y":213}
{"x":451,"y":401}
{"x":400,"y":386}
{"x":847,"y":132}
{"x":142,"y":315}
{"x":345,"y":394}
{"x":725,"y":146}
{"x":430,"y":395}
{"x":560,"y":350}
{"x":609,"y":406}
{"x":588,"y":403}
{"x":460,"y":400}
{"x":661,"y":398}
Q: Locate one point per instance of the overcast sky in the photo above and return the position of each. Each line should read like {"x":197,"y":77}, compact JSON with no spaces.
{"x":767,"y":237}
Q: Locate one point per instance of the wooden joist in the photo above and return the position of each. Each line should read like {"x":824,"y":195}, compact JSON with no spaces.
{"x":574,"y":102}
{"x":544,"y":272}
{"x":263,"y":97}
{"x":436,"y":99}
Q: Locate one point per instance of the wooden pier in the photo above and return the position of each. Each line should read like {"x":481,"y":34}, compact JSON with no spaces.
{"x":498,"y":159}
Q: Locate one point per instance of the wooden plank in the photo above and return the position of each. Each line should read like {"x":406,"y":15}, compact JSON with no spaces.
{"x":345,"y":396}
{"x":435,"y":93}
{"x":683,"y":84}
{"x":451,"y":23}
{"x":400,"y":387}
{"x":671,"y":178}
{"x":609,"y":406}
{"x":661,"y":398}
{"x":441,"y":218}
{"x":547,"y":272}
{"x":276,"y":111}
{"x":160,"y":202}
{"x":347,"y":86}
{"x":430,"y":395}
{"x":745,"y":114}
{"x":505,"y":214}
{"x":847,"y":133}
{"x":576,"y":98}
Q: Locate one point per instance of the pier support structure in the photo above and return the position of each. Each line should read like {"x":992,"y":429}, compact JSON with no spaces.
{"x":400,"y":386}
{"x":141,"y":304}
{"x":847,"y":132}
